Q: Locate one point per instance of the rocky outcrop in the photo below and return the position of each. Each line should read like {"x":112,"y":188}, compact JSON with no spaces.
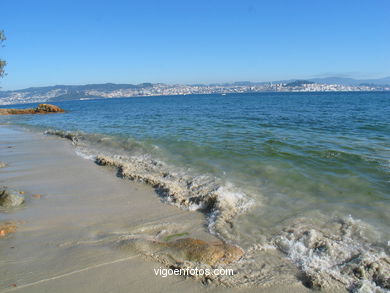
{"x":10,"y":198}
{"x":47,"y":108}
{"x":41,"y":109}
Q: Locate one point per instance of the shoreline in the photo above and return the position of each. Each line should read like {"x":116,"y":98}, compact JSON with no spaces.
{"x":67,"y":238}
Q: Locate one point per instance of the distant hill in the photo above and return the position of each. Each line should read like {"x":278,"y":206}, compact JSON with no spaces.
{"x":325,"y":80}
{"x":352,"y":81}
{"x":68,"y":92}
{"x":80,"y":88}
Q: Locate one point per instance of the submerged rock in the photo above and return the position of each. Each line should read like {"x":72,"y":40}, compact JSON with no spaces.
{"x":10,"y":198}
{"x":188,"y":249}
{"x":41,"y":109}
{"x":211,"y":253}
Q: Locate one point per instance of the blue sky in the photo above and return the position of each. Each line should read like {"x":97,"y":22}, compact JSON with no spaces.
{"x":179,"y":41}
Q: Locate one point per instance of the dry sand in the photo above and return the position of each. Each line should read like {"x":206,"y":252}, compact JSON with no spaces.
{"x":65,"y":238}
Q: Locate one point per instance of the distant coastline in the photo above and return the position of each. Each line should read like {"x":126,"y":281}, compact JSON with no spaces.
{"x":110,"y":90}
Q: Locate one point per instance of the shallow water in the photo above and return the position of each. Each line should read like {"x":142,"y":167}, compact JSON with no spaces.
{"x":305,"y":173}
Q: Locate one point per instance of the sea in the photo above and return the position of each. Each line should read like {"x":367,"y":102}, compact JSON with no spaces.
{"x":306,"y":175}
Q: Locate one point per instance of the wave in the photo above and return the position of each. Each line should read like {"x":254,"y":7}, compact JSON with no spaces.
{"x":219,"y":200}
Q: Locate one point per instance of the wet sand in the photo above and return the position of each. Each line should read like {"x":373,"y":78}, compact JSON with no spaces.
{"x":66,"y":239}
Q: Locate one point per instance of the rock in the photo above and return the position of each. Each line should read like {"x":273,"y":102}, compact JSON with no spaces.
{"x":7,"y":228}
{"x":10,"y":198}
{"x":41,"y":109}
{"x":3,"y":165}
{"x":186,"y":249}
{"x":211,"y":253}
{"x":47,"y":108}
{"x":37,"y":195}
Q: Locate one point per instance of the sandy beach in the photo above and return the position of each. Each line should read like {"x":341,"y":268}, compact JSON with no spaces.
{"x":66,"y":237}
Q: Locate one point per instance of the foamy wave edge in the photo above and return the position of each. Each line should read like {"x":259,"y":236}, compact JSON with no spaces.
{"x":220,"y":202}
{"x":337,"y":250}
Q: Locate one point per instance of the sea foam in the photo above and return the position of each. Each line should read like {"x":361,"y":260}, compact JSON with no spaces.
{"x":221,"y":201}
{"x":338,"y":249}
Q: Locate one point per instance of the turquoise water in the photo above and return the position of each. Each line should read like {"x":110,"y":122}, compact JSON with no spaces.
{"x":281,"y":159}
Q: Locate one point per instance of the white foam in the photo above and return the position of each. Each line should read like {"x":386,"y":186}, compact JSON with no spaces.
{"x":340,"y":253}
{"x":85,"y":155}
{"x":229,"y":195}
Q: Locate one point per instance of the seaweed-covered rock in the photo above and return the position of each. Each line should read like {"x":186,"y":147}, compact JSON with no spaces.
{"x":47,"y":108}
{"x":41,"y":109}
{"x":10,"y":198}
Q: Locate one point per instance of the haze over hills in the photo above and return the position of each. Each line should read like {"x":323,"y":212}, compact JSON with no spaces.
{"x":111,"y":90}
